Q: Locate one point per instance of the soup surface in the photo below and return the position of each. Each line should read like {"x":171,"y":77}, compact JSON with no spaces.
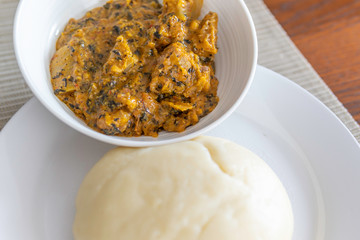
{"x":134,"y":67}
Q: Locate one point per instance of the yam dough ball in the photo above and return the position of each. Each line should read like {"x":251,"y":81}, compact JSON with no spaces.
{"x":206,"y":188}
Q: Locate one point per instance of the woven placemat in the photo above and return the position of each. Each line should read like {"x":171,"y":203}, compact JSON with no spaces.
{"x":13,"y":89}
{"x":276,"y":51}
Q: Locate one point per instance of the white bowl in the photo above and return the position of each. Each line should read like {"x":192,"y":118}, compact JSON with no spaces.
{"x":38,"y":24}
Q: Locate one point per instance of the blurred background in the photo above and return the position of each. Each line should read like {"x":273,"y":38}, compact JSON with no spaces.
{"x":327,"y":32}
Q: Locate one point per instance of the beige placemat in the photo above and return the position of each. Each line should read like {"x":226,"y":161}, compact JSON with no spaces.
{"x":13,"y":90}
{"x":276,"y":51}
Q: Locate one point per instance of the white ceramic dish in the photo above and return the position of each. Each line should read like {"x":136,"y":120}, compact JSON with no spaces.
{"x":43,"y":161}
{"x":38,"y":24}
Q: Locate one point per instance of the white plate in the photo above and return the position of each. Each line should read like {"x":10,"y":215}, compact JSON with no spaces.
{"x":43,"y":161}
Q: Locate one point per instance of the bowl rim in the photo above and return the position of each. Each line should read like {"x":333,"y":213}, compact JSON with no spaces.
{"x":132,"y":142}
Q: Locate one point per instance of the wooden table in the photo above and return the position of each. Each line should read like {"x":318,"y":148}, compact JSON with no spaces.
{"x":327,"y":32}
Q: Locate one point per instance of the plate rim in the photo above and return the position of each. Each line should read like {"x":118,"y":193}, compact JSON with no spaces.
{"x":311,"y":96}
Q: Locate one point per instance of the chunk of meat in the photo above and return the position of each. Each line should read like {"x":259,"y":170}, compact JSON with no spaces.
{"x":183,"y":9}
{"x":169,"y":30}
{"x":206,"y":36}
{"x":121,"y":58}
{"x":179,"y":72}
{"x":61,"y":68}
